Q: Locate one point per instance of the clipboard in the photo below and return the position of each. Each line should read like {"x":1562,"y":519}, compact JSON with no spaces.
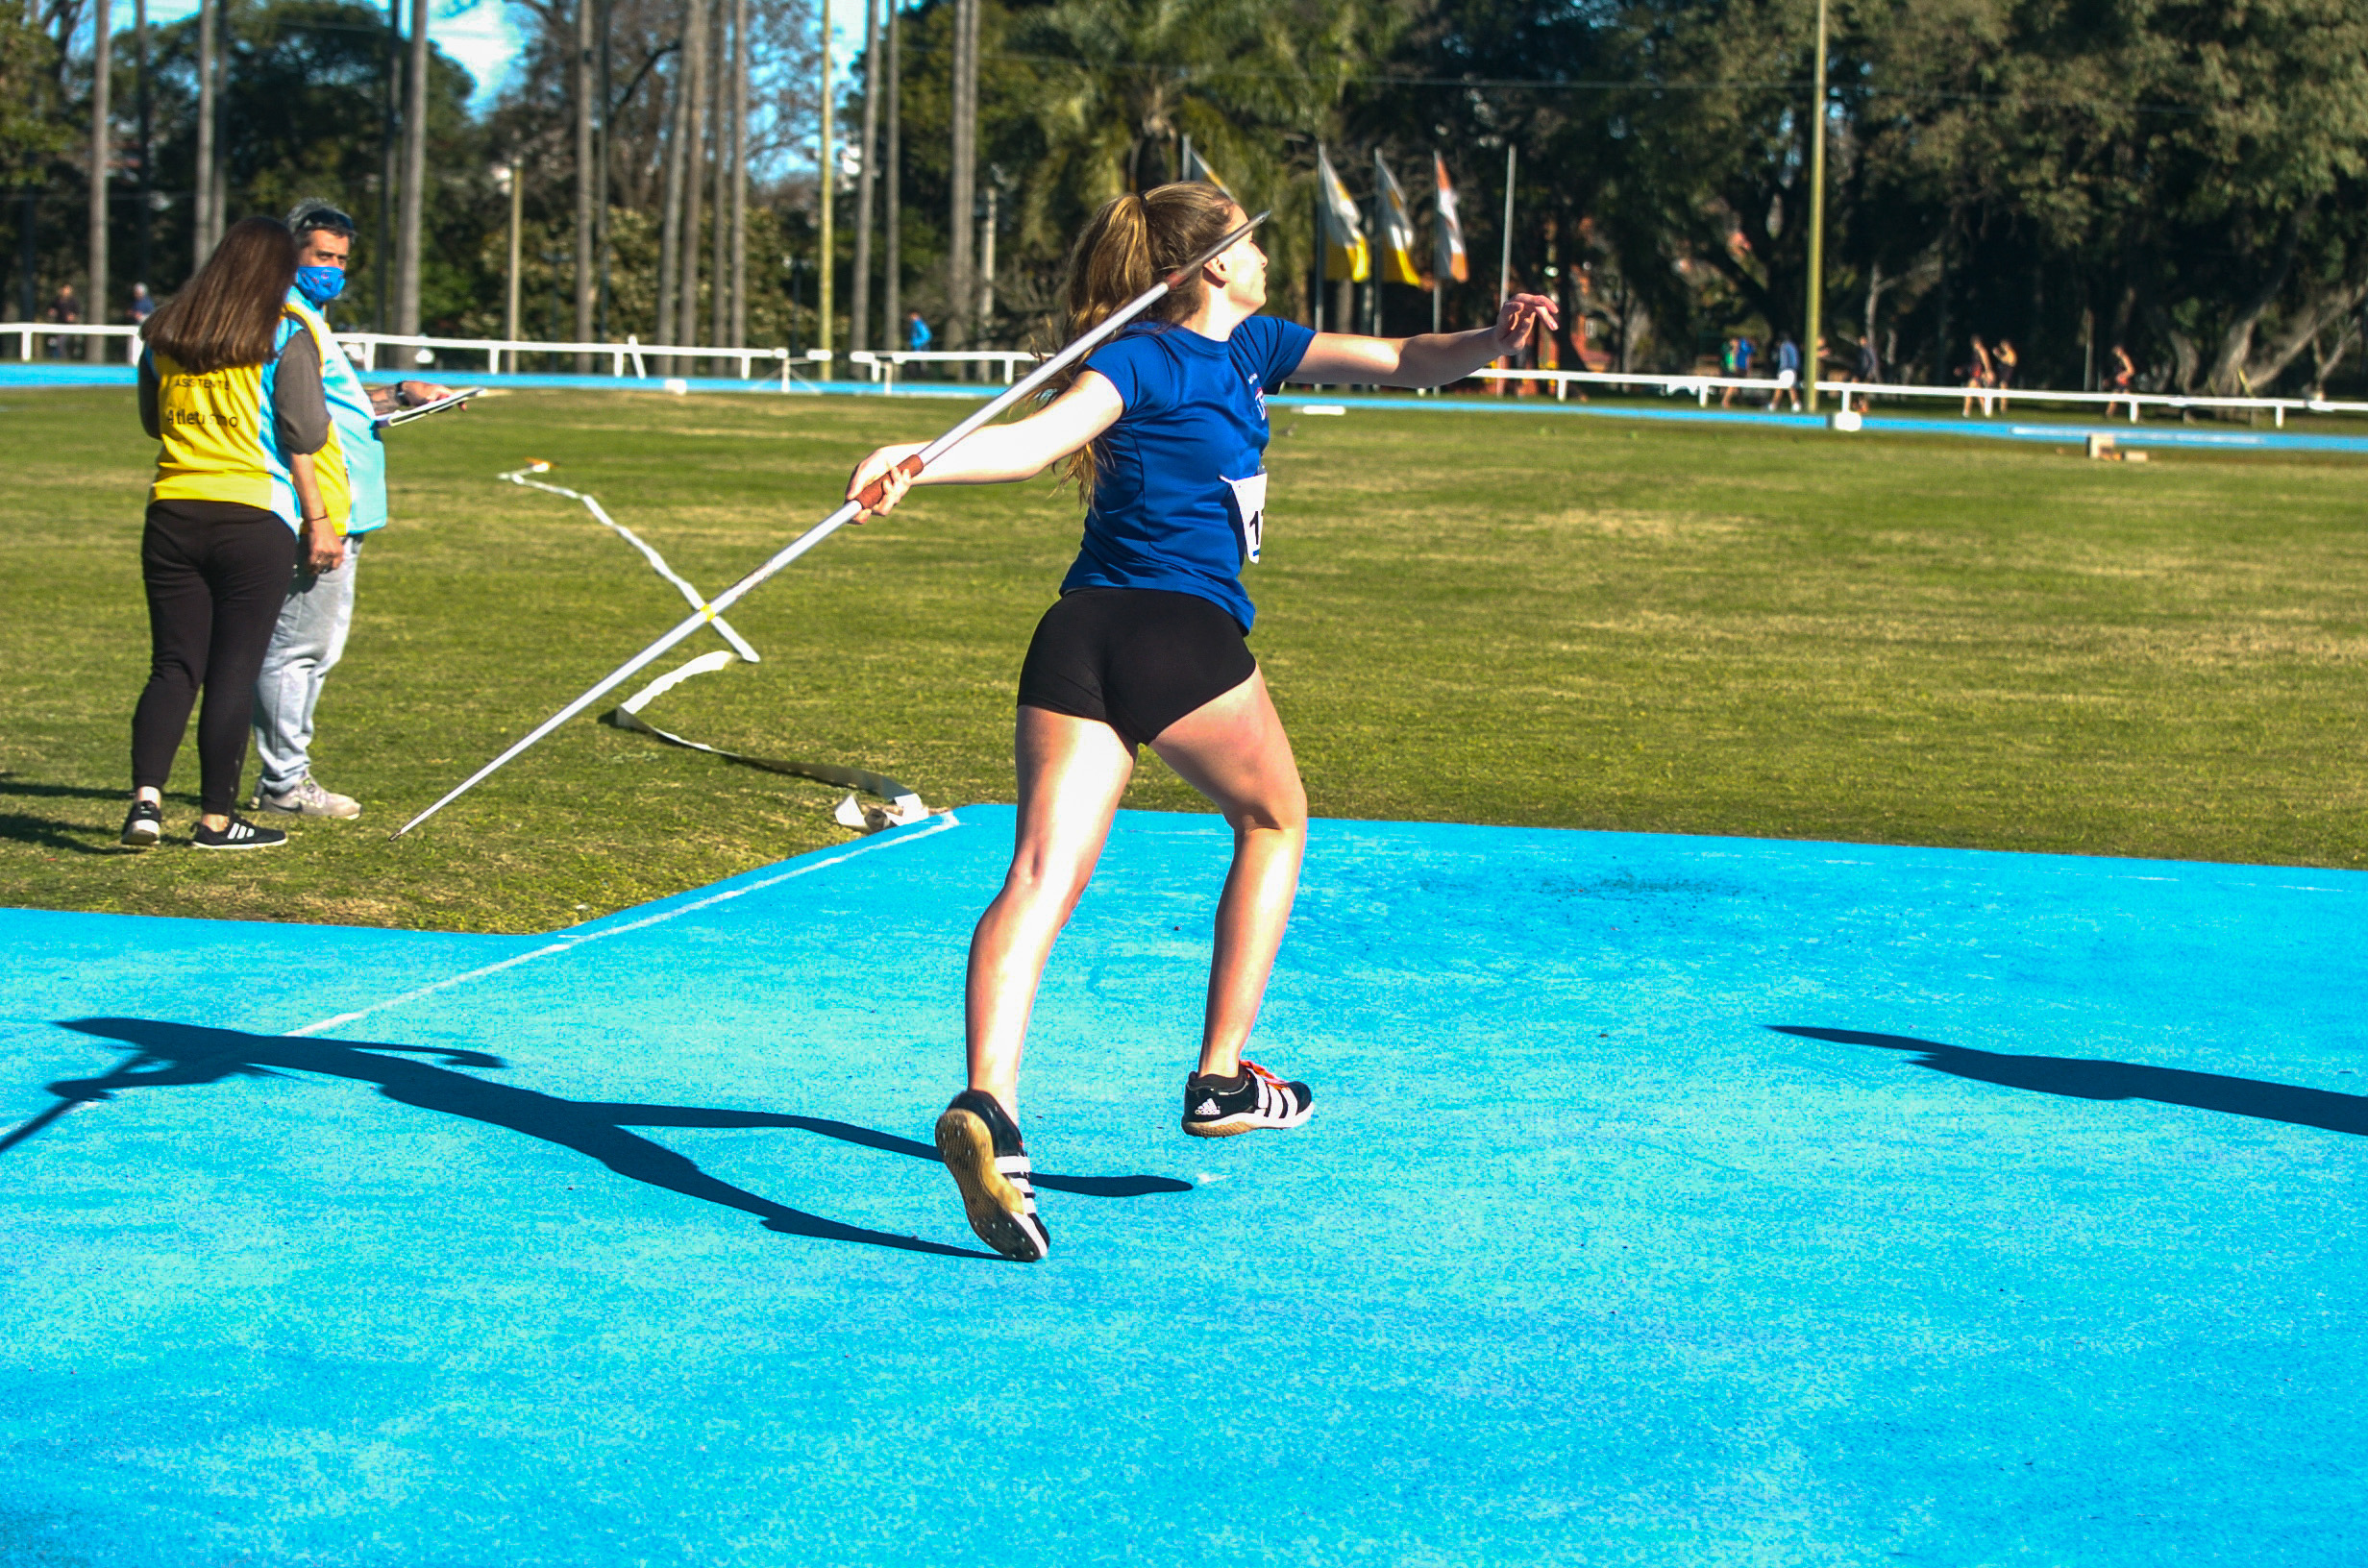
{"x":404,"y":416}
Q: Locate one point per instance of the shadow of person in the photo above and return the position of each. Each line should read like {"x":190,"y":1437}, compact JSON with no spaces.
{"x":2088,"y":1078}
{"x":56,"y":833}
{"x":169,"y":1054}
{"x":18,"y":784}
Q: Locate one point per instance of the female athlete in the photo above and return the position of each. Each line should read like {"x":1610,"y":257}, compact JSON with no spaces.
{"x":1164,"y":428}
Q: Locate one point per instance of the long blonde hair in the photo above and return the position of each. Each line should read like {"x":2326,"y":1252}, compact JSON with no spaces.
{"x":1131,"y":243}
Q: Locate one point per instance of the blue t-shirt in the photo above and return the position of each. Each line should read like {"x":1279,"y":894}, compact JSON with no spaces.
{"x":1179,"y":479}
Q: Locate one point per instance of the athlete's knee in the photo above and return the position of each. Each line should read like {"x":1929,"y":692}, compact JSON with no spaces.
{"x":1283,"y":813}
{"x":1041,"y":884}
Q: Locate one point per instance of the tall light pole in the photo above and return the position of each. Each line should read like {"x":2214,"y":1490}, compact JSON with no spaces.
{"x":413,"y":222}
{"x":201,"y":212}
{"x":867,"y":182}
{"x":587,"y":182}
{"x":102,"y":68}
{"x":511,"y":178}
{"x":1504,"y":267}
{"x":823,"y":193}
{"x":1816,"y":221}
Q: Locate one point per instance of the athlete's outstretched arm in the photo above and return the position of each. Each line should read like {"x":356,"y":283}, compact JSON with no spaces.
{"x":1433,"y":360}
{"x":999,"y":452}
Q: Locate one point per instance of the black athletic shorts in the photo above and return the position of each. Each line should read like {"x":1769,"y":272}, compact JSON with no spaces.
{"x":1137,"y":659}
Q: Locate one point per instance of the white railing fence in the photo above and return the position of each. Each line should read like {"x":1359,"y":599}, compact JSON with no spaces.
{"x":883,"y":367}
{"x":672,"y":359}
{"x":1992,"y":400}
{"x":25,"y":332}
{"x":884,"y":364}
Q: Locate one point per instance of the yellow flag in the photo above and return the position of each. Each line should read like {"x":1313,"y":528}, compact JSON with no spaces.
{"x":1397,"y":229}
{"x":1346,"y":255}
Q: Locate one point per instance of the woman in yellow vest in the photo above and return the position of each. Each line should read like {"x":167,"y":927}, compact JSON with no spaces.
{"x":231,"y":384}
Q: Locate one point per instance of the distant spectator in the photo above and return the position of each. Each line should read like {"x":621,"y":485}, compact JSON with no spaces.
{"x":2004,"y":361}
{"x":2119,"y":373}
{"x":1787,"y":375}
{"x":1870,"y":363}
{"x":917,"y":334}
{"x":64,"y":310}
{"x":143,"y":305}
{"x":1979,"y":377}
{"x":1738,"y":365}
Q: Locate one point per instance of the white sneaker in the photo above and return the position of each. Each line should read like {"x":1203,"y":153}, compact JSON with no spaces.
{"x":308,"y":799}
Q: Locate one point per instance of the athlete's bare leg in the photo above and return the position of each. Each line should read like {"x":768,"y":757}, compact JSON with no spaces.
{"x":1233,"y":750}
{"x":1073,"y":773}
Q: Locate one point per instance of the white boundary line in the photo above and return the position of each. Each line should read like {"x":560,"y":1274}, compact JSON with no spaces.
{"x":568,"y":945}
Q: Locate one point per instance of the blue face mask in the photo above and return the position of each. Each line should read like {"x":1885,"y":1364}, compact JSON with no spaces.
{"x":320,"y":284}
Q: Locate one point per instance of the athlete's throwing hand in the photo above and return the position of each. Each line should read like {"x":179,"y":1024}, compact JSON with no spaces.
{"x":1519,"y":317}
{"x":881,"y":465}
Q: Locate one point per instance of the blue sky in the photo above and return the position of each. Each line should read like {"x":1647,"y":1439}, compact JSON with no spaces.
{"x":484,"y":38}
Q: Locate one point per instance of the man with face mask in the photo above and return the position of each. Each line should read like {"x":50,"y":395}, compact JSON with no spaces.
{"x":310,"y":636}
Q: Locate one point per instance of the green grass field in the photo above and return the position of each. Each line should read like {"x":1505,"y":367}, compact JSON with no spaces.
{"x":1560,"y":621}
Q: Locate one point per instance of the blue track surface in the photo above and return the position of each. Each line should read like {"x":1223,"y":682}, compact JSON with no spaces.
{"x":1669,"y":1201}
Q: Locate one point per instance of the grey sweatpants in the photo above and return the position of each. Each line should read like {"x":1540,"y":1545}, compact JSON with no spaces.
{"x":305,"y":647}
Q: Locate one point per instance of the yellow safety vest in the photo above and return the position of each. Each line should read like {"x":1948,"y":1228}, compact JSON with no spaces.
{"x":220,"y":442}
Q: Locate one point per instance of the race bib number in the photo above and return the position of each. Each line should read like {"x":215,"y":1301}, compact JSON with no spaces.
{"x":1249,"y":499}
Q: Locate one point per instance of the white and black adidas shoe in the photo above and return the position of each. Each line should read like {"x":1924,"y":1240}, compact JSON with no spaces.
{"x":1253,"y":1100}
{"x":980,"y":1146}
{"x":240,"y":834}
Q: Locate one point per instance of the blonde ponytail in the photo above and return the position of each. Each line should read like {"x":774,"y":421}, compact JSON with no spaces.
{"x":1130,"y":244}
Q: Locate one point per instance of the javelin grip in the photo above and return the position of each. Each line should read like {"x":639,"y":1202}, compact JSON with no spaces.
{"x":870,"y":495}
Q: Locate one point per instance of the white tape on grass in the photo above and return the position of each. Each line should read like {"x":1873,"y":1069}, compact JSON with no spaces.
{"x":904,"y":805}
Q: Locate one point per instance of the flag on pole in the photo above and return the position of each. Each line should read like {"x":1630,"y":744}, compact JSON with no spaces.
{"x":1196,"y":167}
{"x":1451,"y":261}
{"x":1397,"y":229}
{"x":1347,"y":257}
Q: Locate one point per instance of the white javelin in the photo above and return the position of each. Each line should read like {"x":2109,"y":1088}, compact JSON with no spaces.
{"x":870,"y":496}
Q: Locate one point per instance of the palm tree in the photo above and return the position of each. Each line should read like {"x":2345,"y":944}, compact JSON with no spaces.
{"x":1254,"y":83}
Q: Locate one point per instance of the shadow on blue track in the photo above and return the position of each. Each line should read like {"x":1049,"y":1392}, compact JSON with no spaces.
{"x":177,"y":1055}
{"x":2082,"y":1078}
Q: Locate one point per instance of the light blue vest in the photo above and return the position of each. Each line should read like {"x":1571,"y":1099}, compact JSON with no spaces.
{"x":358,"y":431}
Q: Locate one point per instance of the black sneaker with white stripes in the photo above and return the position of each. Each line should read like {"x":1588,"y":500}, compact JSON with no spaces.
{"x":144,"y":826}
{"x":1251,"y":1101}
{"x":980,"y":1146}
{"x":240,"y":834}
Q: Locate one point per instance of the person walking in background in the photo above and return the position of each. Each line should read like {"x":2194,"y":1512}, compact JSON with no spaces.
{"x":310,"y":637}
{"x":1979,"y":379}
{"x":1737,"y":364}
{"x":1870,"y":363}
{"x":2120,"y":372}
{"x":2004,"y":361}
{"x":1788,"y":374}
{"x":917,"y":334}
{"x":230,"y":382}
{"x":64,"y":310}
{"x":143,"y":303}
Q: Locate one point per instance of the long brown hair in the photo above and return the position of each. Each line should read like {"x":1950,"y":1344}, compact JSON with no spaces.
{"x":228,"y":314}
{"x":1131,"y":243}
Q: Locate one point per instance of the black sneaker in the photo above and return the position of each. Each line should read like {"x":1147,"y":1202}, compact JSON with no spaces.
{"x":1250,"y":1101}
{"x":144,"y":826}
{"x":241,"y":834}
{"x":981,"y":1146}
